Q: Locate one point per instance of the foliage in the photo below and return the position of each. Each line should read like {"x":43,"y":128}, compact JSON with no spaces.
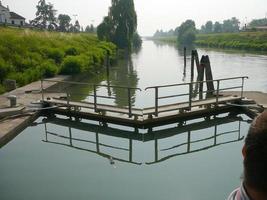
{"x":137,"y":41}
{"x":120,"y":24}
{"x":2,"y":89}
{"x":71,"y":65}
{"x":187,"y":32}
{"x":258,"y":22}
{"x":242,"y":40}
{"x":64,"y":22}
{"x":27,"y":55}
{"x":45,"y":15}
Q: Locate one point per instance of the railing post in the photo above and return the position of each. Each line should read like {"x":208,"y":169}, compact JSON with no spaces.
{"x":184,"y":57}
{"x":95,"y":99}
{"x":68,"y":100}
{"x":217,"y":92}
{"x":156,"y":100}
{"x":42,"y":89}
{"x":242,"y":89}
{"x":129,"y":102}
{"x":192,"y":65}
{"x":190,"y":95}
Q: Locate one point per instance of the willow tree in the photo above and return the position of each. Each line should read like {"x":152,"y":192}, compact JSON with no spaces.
{"x":120,"y":24}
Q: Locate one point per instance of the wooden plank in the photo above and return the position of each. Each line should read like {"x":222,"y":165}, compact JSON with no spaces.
{"x":179,"y":106}
{"x":100,"y":107}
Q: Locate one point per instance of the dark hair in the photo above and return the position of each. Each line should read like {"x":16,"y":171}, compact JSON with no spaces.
{"x":255,"y":161}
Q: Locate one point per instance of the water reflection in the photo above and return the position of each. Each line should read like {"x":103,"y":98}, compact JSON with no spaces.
{"x":180,"y":139}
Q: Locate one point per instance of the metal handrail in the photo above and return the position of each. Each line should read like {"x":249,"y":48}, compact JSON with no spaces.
{"x":95,"y":96}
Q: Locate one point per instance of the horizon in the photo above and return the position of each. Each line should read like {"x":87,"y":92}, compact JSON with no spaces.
{"x":152,"y":16}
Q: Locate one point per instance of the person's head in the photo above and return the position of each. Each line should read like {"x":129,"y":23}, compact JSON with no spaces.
{"x":255,"y":155}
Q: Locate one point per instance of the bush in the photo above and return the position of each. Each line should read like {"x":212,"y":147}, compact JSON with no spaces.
{"x":71,"y":51}
{"x":48,"y":69}
{"x":71,"y":65}
{"x":55,"y":54}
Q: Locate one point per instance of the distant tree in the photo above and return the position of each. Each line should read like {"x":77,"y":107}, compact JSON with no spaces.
{"x":209,"y":27}
{"x":77,"y":26}
{"x":187,"y":33}
{"x":231,"y":25}
{"x":217,"y":27}
{"x":64,"y":22}
{"x":90,"y":29}
{"x":120,"y":24}
{"x":258,"y":22}
{"x":45,"y":15}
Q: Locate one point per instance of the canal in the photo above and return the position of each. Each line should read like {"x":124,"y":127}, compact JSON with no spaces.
{"x":60,"y":158}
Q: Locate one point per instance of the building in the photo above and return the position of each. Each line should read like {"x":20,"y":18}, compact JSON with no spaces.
{"x":12,"y":18}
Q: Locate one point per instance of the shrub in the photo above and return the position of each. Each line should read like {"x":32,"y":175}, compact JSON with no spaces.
{"x":71,"y":51}
{"x":71,"y":65}
{"x":55,"y":54}
{"x":48,"y":69}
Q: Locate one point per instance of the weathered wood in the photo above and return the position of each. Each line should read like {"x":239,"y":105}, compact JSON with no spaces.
{"x":208,"y":74}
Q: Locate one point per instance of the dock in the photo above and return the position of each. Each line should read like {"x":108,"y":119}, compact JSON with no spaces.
{"x":192,"y":106}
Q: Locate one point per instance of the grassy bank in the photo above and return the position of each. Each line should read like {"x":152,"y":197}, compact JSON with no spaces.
{"x":245,"y":40}
{"x":27,"y":55}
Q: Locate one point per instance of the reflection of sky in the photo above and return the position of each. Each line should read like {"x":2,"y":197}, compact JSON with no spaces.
{"x":57,"y":171}
{"x":159,"y":64}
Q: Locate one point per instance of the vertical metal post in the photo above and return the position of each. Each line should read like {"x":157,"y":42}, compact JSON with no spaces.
{"x":242,"y":89}
{"x":215,"y":135}
{"x":95,"y":98}
{"x":129,"y":102}
{"x":184,"y":56}
{"x":46,"y":137}
{"x":68,"y":100}
{"x":156,"y":101}
{"x":97,"y":142}
{"x":42,"y":89}
{"x":130,"y":150}
{"x":190,"y":95}
{"x":217,"y":93}
{"x":192,"y":65}
{"x":188,"y":141}
{"x":70,"y":136}
{"x":156,"y":150}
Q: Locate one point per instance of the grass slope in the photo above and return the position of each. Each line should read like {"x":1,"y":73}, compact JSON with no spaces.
{"x":27,"y":55}
{"x":244,"y":40}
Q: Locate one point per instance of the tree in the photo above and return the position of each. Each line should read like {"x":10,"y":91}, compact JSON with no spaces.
{"x":137,"y":41}
{"x":217,"y":27}
{"x":64,"y":22}
{"x":187,"y":33}
{"x":231,"y":25}
{"x":77,"y":26}
{"x":258,"y":22}
{"x":45,"y":15}
{"x":209,"y":27}
{"x":120,"y":24}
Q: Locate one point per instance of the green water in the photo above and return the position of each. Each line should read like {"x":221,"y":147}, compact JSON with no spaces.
{"x":200,"y":159}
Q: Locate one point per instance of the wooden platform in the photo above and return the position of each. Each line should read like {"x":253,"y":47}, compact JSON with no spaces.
{"x":143,"y":118}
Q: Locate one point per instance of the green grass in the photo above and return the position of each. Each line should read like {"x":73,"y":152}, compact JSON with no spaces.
{"x":256,"y":41}
{"x":27,"y":55}
{"x":244,"y":40}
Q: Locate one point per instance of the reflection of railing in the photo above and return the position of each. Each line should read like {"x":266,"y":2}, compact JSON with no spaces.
{"x":71,"y":139}
{"x":188,"y":144}
{"x":183,"y":130}
{"x":95,"y":96}
{"x":192,"y":94}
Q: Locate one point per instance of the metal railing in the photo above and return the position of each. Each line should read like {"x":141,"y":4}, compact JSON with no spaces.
{"x":190,"y":89}
{"x":94,"y":95}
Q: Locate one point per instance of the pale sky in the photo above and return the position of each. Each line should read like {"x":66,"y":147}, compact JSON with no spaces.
{"x":152,"y":14}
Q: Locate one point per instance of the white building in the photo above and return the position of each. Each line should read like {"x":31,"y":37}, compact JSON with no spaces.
{"x":8,"y":17}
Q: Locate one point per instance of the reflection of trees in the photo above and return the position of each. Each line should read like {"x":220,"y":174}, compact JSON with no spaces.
{"x":123,"y":75}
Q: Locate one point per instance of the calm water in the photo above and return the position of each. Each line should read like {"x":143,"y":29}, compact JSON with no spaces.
{"x":63,"y":159}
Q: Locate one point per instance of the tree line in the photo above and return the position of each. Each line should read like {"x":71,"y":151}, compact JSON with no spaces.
{"x":185,"y":33}
{"x":46,"y":18}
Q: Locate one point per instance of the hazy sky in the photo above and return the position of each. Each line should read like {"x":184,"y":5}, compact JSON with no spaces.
{"x":152,"y":14}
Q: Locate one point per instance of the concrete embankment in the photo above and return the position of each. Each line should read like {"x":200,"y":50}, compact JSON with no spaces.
{"x":10,"y":126}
